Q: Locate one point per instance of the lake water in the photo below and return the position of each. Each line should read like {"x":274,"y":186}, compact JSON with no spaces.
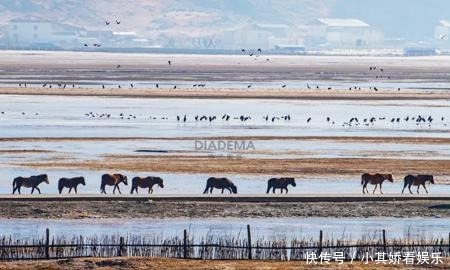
{"x":342,"y":228}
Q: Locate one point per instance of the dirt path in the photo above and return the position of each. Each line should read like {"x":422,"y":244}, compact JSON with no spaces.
{"x":176,"y":209}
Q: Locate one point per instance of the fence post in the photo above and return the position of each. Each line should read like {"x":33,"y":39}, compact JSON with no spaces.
{"x":384,"y":241}
{"x":121,"y":246}
{"x":47,"y":243}
{"x":249,"y":244}
{"x":320,"y":241}
{"x":185,"y":244}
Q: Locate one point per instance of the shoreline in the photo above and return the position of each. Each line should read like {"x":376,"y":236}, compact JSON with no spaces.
{"x":298,"y":94}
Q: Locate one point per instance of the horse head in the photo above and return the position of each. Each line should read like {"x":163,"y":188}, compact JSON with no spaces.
{"x":160,"y":182}
{"x":431,"y":179}
{"x":389,"y":177}
{"x":124,"y":179}
{"x":82,"y":181}
{"x":291,"y":181}
{"x":233,"y":187}
{"x":45,"y":178}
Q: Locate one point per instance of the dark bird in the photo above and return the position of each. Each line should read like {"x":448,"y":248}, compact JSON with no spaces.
{"x":107,"y":23}
{"x":170,"y":62}
{"x":85,"y":45}
{"x":309,"y":120}
{"x":157,"y":85}
{"x":259,"y":50}
{"x":117,"y":22}
{"x":118,"y":66}
{"x":283,"y":86}
{"x":243,"y":50}
{"x":132,"y":86}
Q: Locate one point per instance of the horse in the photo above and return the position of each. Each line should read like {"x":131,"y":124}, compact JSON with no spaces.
{"x":374,"y":179}
{"x":146,"y":182}
{"x":220,"y":183}
{"x":70,"y":183}
{"x":281,"y":183}
{"x":417,"y":180}
{"x":29,"y":182}
{"x":113,"y":180}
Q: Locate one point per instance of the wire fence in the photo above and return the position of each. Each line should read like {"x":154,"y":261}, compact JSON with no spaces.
{"x":216,"y":247}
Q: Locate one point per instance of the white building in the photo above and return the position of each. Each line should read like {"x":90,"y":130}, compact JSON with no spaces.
{"x":28,"y":30}
{"x":342,"y":33}
{"x":254,"y":35}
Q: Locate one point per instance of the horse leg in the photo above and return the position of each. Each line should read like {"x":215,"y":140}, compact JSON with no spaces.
{"x":14,"y":189}
{"x":118,"y":188}
{"x":376,"y":185}
{"x":38,"y":190}
{"x":229,"y":189}
{"x":286,"y":190}
{"x":32,"y":190}
{"x":409,"y":187}
{"x":425,"y":187}
{"x":75,"y":188}
{"x":70,"y":189}
{"x":268,"y":189}
{"x":381,"y":191}
{"x":18,"y":189}
{"x":211,"y":190}
{"x":404,"y":188}
{"x":222,"y":190}
{"x":114,"y":190}
{"x":418,"y":189}
{"x":273,"y":190}
{"x":364,"y":186}
{"x":206,"y":190}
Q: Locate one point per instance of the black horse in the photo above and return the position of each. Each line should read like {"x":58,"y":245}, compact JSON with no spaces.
{"x":417,"y":180}
{"x":70,"y":183}
{"x":220,"y":183}
{"x":30,"y":182}
{"x":113,"y":180}
{"x":280,"y":183}
{"x":146,"y":182}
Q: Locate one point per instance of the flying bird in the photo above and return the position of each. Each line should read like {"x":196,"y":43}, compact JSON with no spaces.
{"x":117,"y":22}
{"x":107,"y":23}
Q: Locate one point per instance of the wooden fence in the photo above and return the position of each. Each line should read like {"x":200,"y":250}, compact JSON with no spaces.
{"x":210,"y":247}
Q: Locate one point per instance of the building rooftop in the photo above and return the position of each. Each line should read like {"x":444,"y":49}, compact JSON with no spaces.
{"x":444,"y":23}
{"x":333,"y":22}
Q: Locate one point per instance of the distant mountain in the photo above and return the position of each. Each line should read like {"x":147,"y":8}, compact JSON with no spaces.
{"x":412,"y":19}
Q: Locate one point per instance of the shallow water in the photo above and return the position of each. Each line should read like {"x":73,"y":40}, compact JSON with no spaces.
{"x":194,"y":184}
{"x":342,"y":228}
{"x":65,"y":117}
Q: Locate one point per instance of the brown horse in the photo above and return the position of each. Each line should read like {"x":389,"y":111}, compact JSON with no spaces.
{"x":280,"y":183}
{"x":29,"y":182}
{"x":417,"y":180}
{"x":113,"y":180}
{"x":220,"y":183}
{"x":70,"y":183}
{"x":374,"y":179}
{"x":146,"y":182}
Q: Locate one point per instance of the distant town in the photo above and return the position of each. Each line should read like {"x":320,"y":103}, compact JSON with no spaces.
{"x":322,"y":36}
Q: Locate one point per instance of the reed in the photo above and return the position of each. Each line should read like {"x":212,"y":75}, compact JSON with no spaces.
{"x":210,"y":246}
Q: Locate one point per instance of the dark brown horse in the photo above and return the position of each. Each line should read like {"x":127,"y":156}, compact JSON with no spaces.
{"x":70,"y":183}
{"x":280,"y":183}
{"x":29,"y":182}
{"x":417,"y":180}
{"x":220,"y":183}
{"x":374,"y":179}
{"x":113,"y":180}
{"x":146,"y":182}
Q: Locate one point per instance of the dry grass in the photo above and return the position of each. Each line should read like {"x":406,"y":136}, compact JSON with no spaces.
{"x":234,"y":93}
{"x":162,"y":263}
{"x":268,"y":166}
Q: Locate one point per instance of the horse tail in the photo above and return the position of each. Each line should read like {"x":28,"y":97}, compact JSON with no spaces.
{"x":268,"y":187}
{"x":208,"y":185}
{"x":60,"y":186}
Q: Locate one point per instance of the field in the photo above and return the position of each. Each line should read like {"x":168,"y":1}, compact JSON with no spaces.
{"x":322,"y":120}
